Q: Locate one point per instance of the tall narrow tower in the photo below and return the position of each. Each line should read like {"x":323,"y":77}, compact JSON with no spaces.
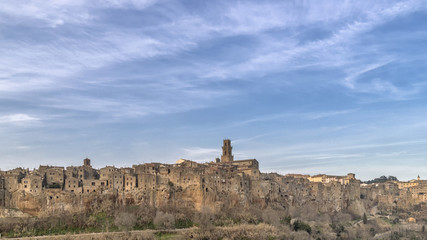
{"x":226,"y":151}
{"x":86,"y":162}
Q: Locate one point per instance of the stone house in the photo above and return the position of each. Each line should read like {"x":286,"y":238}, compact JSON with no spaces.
{"x":94,"y":185}
{"x":83,"y":172}
{"x":32,"y":183}
{"x":54,"y":177}
{"x":12,"y":179}
{"x":72,"y":184}
{"x":130,"y":181}
{"x":116,"y":181}
{"x":105,"y":173}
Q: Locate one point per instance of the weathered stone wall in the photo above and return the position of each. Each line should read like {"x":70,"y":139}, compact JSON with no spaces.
{"x":2,"y":192}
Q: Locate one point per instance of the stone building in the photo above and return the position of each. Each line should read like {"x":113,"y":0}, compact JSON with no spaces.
{"x":227,"y":155}
{"x":12,"y":179}
{"x":83,"y":172}
{"x":323,"y":178}
{"x":72,"y":183}
{"x":105,"y":173}
{"x":54,"y":177}
{"x":94,"y":185}
{"x":32,"y":183}
{"x":116,"y":181}
{"x":248,"y":166}
{"x":130,"y":181}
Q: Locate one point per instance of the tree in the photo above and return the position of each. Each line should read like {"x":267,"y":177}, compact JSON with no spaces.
{"x":365,"y":219}
{"x":372,"y":231}
{"x":271,"y":217}
{"x":382,"y":179}
{"x":301,"y":226}
{"x":205,"y":219}
{"x":125,"y":220}
{"x":164,"y":220}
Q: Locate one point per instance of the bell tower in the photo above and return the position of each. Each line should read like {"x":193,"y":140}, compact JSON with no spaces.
{"x":86,"y":162}
{"x":227,"y":151}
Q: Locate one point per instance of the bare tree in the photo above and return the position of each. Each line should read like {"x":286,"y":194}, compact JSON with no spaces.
{"x":205,"y":219}
{"x":271,"y":217}
{"x":164,"y":220}
{"x":125,"y":220}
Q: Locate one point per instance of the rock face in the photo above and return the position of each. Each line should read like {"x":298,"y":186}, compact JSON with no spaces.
{"x":193,"y":185}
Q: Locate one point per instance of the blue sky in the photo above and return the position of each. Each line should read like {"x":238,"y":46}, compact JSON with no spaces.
{"x":303,"y":86}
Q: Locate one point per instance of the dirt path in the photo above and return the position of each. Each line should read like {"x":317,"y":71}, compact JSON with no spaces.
{"x":141,"y":234}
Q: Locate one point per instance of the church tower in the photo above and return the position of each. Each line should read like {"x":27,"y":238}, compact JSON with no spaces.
{"x":86,"y":162}
{"x":226,"y":151}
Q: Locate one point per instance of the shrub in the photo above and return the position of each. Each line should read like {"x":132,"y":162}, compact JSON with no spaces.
{"x":164,"y":220}
{"x":301,"y":226}
{"x":125,"y":220}
{"x":372,"y":231}
{"x":271,"y":217}
{"x":286,"y":220}
{"x":205,"y":219}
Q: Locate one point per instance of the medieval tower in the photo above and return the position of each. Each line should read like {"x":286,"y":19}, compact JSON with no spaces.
{"x":226,"y":151}
{"x":86,"y":162}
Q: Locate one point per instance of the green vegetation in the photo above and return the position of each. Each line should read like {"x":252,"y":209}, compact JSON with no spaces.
{"x":238,"y":222}
{"x":183,"y":223}
{"x":382,"y":179}
{"x":301,"y":226}
{"x":286,"y":220}
{"x":164,"y":235}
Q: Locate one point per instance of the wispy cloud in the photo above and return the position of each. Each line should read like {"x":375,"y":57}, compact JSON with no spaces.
{"x":57,"y":13}
{"x":353,"y":74}
{"x":288,"y":79}
{"x":337,"y":50}
{"x":18,"y":118}
{"x":293,"y":115}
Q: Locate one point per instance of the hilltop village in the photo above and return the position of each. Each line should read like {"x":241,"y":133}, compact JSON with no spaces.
{"x":224,"y":181}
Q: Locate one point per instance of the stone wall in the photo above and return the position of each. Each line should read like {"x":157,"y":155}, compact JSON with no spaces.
{"x":2,"y":192}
